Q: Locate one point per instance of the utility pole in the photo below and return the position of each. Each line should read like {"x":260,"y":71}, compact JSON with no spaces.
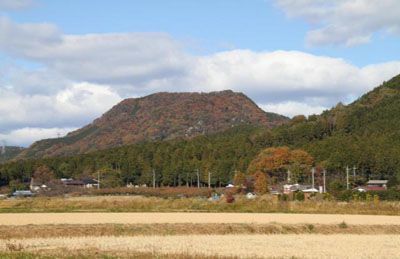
{"x":154,"y":179}
{"x":354,"y":173}
{"x":209,"y":179}
{"x":198,"y":178}
{"x":324,"y":179}
{"x":98,"y":179}
{"x":312,"y":176}
{"x":347,"y":178}
{"x":187,"y":180}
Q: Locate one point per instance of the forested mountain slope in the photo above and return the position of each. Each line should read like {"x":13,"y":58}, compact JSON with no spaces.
{"x":9,"y":152}
{"x":364,"y":134}
{"x":160,"y":116}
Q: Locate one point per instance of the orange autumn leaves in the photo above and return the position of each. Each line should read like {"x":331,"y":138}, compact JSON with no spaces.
{"x":280,"y":160}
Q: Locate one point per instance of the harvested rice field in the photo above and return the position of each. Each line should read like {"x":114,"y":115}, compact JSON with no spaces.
{"x":198,"y":235}
{"x":199,"y":218}
{"x":241,"y":246}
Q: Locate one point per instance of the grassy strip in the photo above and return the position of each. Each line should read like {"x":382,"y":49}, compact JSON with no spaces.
{"x":48,"y":231}
{"x":93,"y":253}
{"x":265,"y":204}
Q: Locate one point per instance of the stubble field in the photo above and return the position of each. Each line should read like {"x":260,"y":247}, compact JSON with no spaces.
{"x":241,"y":246}
{"x":88,"y":228}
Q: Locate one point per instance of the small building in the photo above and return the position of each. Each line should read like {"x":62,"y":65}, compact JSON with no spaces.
{"x":72,"y":182}
{"x":84,"y":183}
{"x":289,"y":188}
{"x":377,"y":183}
{"x":373,"y":185}
{"x":310,"y":190}
{"x":90,"y":183}
{"x":23,"y":193}
{"x":37,"y":186}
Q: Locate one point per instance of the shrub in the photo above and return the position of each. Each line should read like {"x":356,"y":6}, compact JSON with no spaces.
{"x":299,"y":196}
{"x":283,"y":197}
{"x":376,"y":199}
{"x":239,"y":179}
{"x":229,"y":198}
{"x":327,"y":196}
{"x":343,"y":225}
{"x":310,"y":227}
{"x":368,"y":197}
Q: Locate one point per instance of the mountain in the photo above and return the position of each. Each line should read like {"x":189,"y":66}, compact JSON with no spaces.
{"x":159,"y":116}
{"x":364,"y":134}
{"x":9,"y":152}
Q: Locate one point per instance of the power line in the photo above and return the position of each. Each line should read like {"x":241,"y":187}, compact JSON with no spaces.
{"x":3,"y":147}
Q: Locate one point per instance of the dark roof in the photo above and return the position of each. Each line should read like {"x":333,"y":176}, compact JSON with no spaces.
{"x":89,"y":181}
{"x":74,"y":182}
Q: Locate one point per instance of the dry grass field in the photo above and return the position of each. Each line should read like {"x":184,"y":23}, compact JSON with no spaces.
{"x":242,"y":246}
{"x":99,"y":230}
{"x":149,"y":227}
{"x":263,"y":204}
{"x":199,"y":218}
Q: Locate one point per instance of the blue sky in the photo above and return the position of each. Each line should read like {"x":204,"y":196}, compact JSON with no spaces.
{"x":64,"y":63}
{"x":205,"y":26}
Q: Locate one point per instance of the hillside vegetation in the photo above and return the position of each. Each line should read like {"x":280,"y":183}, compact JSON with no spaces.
{"x":364,"y":134}
{"x":9,"y":153}
{"x":160,"y":116}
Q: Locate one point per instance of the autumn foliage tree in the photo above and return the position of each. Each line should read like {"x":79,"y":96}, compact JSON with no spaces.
{"x":43,"y":175}
{"x":239,"y":179}
{"x":261,"y":183}
{"x":277,"y":161}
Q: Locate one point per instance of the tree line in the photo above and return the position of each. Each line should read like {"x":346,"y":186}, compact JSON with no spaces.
{"x":364,"y":134}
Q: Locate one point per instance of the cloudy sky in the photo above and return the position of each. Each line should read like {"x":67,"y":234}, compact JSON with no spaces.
{"x":64,"y":63}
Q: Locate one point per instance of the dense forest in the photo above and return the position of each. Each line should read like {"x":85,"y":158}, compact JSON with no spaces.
{"x":364,"y":134}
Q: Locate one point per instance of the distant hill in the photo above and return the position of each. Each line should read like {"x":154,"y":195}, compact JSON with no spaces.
{"x":160,"y":116}
{"x":9,"y":152}
{"x":364,"y":134}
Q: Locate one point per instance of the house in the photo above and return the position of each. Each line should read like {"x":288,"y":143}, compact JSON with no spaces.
{"x":84,"y":183}
{"x":310,"y":190}
{"x":376,"y":185}
{"x":36,"y":186}
{"x":289,"y":188}
{"x":373,"y":185}
{"x":90,"y":183}
{"x":72,"y":182}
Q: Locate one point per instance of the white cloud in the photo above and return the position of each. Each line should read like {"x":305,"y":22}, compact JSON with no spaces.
{"x":291,"y":109}
{"x":73,"y":106}
{"x":345,"y":22}
{"x":15,"y":4}
{"x":26,"y":136}
{"x":123,"y":58}
{"x":82,"y":76}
